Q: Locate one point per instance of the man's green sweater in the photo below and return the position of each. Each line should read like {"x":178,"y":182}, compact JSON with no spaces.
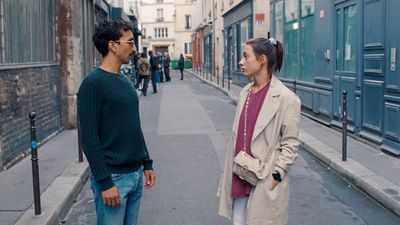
{"x":112,"y":137}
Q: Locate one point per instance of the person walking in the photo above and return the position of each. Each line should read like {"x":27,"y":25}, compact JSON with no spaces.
{"x":112,"y":136}
{"x":154,"y":67}
{"x":181,"y":64}
{"x":166,"y":63}
{"x":265,"y":131}
{"x":143,"y":66}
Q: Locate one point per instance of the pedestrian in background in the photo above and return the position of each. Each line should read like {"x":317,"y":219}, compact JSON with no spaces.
{"x":154,"y":67}
{"x":112,"y":137}
{"x":166,"y":63}
{"x":181,"y":64}
{"x":266,"y":128}
{"x":143,"y":66}
{"x":159,"y":60}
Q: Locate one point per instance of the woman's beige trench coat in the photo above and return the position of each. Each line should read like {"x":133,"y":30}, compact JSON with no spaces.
{"x":275,"y":142}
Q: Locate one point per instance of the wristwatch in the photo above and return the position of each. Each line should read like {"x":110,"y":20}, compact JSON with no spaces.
{"x":277,"y":176}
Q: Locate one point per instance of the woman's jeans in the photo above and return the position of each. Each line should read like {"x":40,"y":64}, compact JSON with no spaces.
{"x":239,"y":211}
{"x":130,"y":187}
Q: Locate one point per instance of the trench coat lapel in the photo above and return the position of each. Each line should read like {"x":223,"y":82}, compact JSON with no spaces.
{"x":269,"y":108}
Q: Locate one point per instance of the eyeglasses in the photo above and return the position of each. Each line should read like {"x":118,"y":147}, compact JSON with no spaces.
{"x":131,"y":42}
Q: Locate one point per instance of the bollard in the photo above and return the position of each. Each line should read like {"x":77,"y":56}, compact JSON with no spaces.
{"x":35,"y":166}
{"x":78,"y":124}
{"x":211,"y":73}
{"x":223,"y":76}
{"x":344,"y":126}
{"x":218,"y":75}
{"x":229,"y":79}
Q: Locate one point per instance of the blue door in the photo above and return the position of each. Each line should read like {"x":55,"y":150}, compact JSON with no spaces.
{"x":346,"y":72}
{"x":373,"y":83}
{"x":391,"y":67}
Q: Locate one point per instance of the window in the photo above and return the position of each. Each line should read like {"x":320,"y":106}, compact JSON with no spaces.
{"x":161,"y":32}
{"x":278,"y":24}
{"x":296,"y":17}
{"x":307,"y":53}
{"x":291,"y":47}
{"x":233,"y":45}
{"x":350,"y":34}
{"x":188,"y":22}
{"x":160,"y":15}
{"x":28,"y":37}
{"x":188,"y":48}
{"x":244,"y":35}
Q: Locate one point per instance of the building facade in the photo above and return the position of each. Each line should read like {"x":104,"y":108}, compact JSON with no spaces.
{"x":344,"y":45}
{"x":45,"y":52}
{"x":183,"y":27}
{"x":243,"y":20}
{"x":158,"y":26}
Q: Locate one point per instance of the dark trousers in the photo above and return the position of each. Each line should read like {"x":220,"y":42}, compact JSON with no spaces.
{"x":161,"y":75}
{"x":166,"y":73}
{"x":153,"y":81}
{"x":145,"y":83}
{"x":181,"y":73}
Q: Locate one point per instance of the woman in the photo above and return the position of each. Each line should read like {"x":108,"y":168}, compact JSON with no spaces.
{"x":265,"y":127}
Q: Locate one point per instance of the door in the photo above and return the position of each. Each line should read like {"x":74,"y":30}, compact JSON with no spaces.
{"x":346,"y":62}
{"x":374,"y":70}
{"x":391,"y":142}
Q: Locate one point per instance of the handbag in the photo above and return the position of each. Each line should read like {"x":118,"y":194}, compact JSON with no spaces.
{"x":247,"y":167}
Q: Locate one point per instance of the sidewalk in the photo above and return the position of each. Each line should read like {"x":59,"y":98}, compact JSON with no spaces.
{"x":369,"y":169}
{"x":61,"y":179}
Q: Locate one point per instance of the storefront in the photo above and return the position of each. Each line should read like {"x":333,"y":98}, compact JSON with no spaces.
{"x":238,"y":27}
{"x":344,"y":45}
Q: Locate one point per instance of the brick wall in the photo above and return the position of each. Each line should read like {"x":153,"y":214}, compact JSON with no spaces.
{"x":23,"y":91}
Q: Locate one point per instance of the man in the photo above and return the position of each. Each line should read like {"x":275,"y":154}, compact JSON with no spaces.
{"x":159,"y":59}
{"x":181,"y":65}
{"x":112,"y":137}
{"x":154,"y":66}
{"x":144,"y":73}
{"x":166,"y":63}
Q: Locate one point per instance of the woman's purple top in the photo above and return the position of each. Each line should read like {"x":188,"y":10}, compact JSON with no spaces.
{"x":241,"y":188}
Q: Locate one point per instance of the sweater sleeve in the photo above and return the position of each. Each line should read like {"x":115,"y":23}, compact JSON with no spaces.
{"x":147,"y":162}
{"x":89,"y":109}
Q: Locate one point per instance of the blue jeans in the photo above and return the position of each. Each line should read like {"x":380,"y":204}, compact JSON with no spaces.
{"x":130,"y":187}
{"x":239,"y":211}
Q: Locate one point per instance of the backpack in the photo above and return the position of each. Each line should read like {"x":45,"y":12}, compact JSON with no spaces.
{"x":144,"y":67}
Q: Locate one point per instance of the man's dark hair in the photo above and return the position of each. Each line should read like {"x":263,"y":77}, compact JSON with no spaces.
{"x":109,"y":30}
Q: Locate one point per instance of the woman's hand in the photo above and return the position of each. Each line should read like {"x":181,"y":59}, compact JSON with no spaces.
{"x":274,"y":184}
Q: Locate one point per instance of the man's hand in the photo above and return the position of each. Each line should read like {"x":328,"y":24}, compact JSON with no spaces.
{"x":111,"y":197}
{"x":150,"y":178}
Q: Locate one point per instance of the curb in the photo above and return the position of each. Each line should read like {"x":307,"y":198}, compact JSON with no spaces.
{"x":376,"y":186}
{"x":59,"y":196}
{"x":230,"y":94}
